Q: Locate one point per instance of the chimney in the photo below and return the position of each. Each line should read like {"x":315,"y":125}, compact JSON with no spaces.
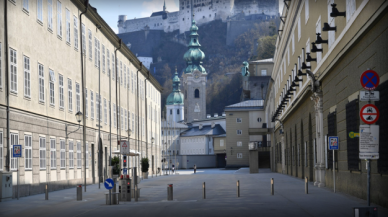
{"x":200,"y":127}
{"x":223,"y":114}
{"x":215,"y":115}
{"x":208,"y":116}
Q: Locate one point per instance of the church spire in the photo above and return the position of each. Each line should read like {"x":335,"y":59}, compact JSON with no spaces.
{"x":164,"y":6}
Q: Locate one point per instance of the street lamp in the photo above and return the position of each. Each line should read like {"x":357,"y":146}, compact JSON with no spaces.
{"x":79,"y":117}
{"x":152,"y":144}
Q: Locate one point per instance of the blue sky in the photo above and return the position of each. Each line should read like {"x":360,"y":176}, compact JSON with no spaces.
{"x":109,"y":10}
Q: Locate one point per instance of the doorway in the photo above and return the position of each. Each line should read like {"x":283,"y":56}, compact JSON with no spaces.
{"x":264,"y":159}
{"x":221,"y":162}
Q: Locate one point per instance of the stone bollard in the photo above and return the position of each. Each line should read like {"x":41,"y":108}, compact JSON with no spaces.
{"x":79,"y":192}
{"x":238,"y":188}
{"x":272,"y":187}
{"x":204,"y":190}
{"x":46,"y":192}
{"x":306,"y":185}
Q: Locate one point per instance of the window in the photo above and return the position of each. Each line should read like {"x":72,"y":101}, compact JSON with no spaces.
{"x":350,"y":9}
{"x":50,"y":14}
{"x":63,"y":153}
{"x":91,"y":105}
{"x":59,"y":19}
{"x":13,"y":70}
{"x":90,"y":45}
{"x":61,"y":95}
{"x":42,"y":152}
{"x":41,"y":82}
{"x":132,"y":75}
{"x":75,"y":32}
{"x":299,"y":29}
{"x":103,"y":59}
{"x":107,"y":63}
{"x":238,"y":120}
{"x":79,"y":159}
{"x":67,"y":26}
{"x":133,"y":122}
{"x":86,"y":102}
{"x":293,"y":43}
{"x":125,"y":76}
{"x":239,"y":132}
{"x":25,"y":5}
{"x":83,"y":39}
{"x":177,"y":111}
{"x":39,"y":7}
{"x":52,"y":92}
{"x":239,"y":155}
{"x":71,"y":154}
{"x":1,"y":150}
{"x":70,"y":93}
{"x":263,"y":72}
{"x":196,"y":93}
{"x":239,"y":143}
{"x":105,"y":113}
{"x":306,"y":10}
{"x":96,"y":52}
{"x":87,"y":155}
{"x":221,"y":142}
{"x":14,"y":141}
{"x":288,"y":55}
{"x":258,"y":119}
{"x":331,"y":21}
{"x":170,"y":111}
{"x":128,"y":78}
{"x":1,"y":78}
{"x":121,"y":118}
{"x":114,"y":115}
{"x":113,"y":67}
{"x":27,"y":77}
{"x":97,"y":108}
{"x":77,"y":97}
{"x":126,"y":119}
{"x":53,"y":154}
{"x":121,"y":74}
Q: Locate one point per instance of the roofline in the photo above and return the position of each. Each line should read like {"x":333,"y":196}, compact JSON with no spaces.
{"x":95,"y":18}
{"x":253,"y":108}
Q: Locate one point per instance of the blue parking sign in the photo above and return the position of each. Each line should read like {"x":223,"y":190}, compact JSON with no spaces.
{"x":333,"y":142}
{"x":17,"y":151}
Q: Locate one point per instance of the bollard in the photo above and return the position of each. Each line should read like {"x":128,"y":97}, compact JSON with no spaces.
{"x":204,"y":191}
{"x":272,"y":186}
{"x":46,"y":192}
{"x":79,"y":192}
{"x":306,"y":186}
{"x":169,"y":192}
{"x":135,"y":193}
{"x":238,"y":188}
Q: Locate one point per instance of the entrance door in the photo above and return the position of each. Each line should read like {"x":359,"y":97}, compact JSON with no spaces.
{"x":264,"y":159}
{"x":221,"y":162}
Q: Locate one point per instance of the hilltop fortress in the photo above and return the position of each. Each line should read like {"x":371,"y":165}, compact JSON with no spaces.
{"x":205,"y":11}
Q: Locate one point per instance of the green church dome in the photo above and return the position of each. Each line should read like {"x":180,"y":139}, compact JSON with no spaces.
{"x":176,"y":97}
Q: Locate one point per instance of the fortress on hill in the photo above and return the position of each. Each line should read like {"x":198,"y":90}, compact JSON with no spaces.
{"x":205,"y":11}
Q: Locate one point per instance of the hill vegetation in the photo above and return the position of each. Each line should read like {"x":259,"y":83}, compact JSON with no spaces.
{"x":222,"y":63}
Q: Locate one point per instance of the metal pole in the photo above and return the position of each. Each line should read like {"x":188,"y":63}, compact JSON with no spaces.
{"x":204,"y":191}
{"x":272,"y":187}
{"x":18,"y":178}
{"x":333,"y":171}
{"x":368,"y":196}
{"x":306,"y":187}
{"x":110,"y":135}
{"x":238,"y":188}
{"x":99,"y":124}
{"x":46,"y":192}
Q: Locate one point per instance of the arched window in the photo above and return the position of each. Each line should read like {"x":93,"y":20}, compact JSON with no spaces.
{"x":196,"y":93}
{"x":177,"y":111}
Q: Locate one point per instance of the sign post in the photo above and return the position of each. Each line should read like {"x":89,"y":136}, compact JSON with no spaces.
{"x":369,"y":134}
{"x":333,"y":145}
{"x":17,"y":153}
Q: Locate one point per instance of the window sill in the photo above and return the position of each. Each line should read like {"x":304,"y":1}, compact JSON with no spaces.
{"x":50,"y":30}
{"x":52,"y":106}
{"x":27,"y":98}
{"x":53,"y":168}
{"x":59,"y":37}
{"x":41,"y":169}
{"x":70,"y":168}
{"x":61,"y":109}
{"x":39,"y":22}
{"x":26,"y":11}
{"x":13,"y":2}
{"x":71,"y":112}
{"x":68,"y":43}
{"x":76,"y":49}
{"x":29,"y":169}
{"x":41,"y":102}
{"x":13,"y":93}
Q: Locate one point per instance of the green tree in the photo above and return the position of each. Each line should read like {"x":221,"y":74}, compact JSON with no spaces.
{"x":116,"y":165}
{"x":266,"y":48}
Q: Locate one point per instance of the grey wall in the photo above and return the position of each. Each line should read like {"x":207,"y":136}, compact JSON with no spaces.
{"x":202,"y":161}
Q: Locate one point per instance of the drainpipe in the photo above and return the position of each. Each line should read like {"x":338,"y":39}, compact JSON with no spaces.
{"x":117,"y":84}
{"x":86,"y":4}
{"x":137,"y":105}
{"x":7,"y":83}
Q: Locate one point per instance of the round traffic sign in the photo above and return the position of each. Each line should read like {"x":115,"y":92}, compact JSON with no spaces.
{"x":109,"y":183}
{"x":369,"y":113}
{"x":369,"y":80}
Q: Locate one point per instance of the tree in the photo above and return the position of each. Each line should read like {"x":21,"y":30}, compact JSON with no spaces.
{"x":266,"y":48}
{"x":116,"y":165}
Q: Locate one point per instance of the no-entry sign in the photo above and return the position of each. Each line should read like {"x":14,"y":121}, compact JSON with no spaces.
{"x":369,"y":113}
{"x":369,"y":80}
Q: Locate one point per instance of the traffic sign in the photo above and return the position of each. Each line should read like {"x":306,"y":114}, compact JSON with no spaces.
{"x":369,"y":95}
{"x":109,"y":183}
{"x":369,"y":142}
{"x":369,"y":80}
{"x":124,"y":147}
{"x":124,"y":171}
{"x":17,"y":151}
{"x":369,"y":113}
{"x":333,"y":143}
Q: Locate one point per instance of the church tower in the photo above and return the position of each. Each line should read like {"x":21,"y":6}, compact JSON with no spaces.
{"x":194,"y":79}
{"x":174,"y":103}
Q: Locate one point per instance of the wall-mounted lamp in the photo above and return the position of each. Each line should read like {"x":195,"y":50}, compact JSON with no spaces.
{"x":309,"y":59}
{"x":315,"y":49}
{"x":327,"y":27}
{"x":335,"y":12}
{"x":320,"y":40}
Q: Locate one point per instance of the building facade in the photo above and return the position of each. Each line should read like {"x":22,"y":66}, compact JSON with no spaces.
{"x":43,"y":87}
{"x":321,"y":52}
